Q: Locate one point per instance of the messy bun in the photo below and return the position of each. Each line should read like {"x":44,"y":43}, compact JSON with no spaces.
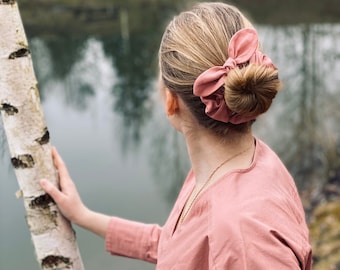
{"x":249,"y":91}
{"x":197,"y":40}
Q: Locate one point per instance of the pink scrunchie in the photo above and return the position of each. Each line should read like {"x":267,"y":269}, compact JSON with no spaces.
{"x":243,"y":48}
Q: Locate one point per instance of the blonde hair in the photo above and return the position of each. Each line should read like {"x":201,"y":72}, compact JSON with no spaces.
{"x":197,"y":40}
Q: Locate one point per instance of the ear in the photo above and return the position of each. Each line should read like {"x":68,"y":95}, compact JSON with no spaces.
{"x":171,"y":102}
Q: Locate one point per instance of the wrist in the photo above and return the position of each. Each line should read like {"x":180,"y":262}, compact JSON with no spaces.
{"x":93,"y":221}
{"x":83,"y":217}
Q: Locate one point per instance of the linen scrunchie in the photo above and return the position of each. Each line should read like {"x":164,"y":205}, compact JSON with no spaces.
{"x":243,"y":49}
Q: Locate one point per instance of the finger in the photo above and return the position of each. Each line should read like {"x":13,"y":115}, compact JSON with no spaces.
{"x":60,"y":165}
{"x":51,"y":190}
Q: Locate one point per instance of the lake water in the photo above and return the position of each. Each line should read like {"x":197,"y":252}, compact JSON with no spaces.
{"x":126,"y":160}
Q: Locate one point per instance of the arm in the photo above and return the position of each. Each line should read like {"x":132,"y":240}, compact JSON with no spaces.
{"x":271,"y":239}
{"x":133,"y":239}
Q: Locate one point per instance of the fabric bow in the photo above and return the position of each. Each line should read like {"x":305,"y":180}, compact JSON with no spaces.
{"x":243,"y":48}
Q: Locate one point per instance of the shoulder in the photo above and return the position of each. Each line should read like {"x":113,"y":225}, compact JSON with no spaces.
{"x":265,"y":192}
{"x":266,"y":159}
{"x":257,"y":214}
{"x":266,"y":178}
{"x":267,"y":175}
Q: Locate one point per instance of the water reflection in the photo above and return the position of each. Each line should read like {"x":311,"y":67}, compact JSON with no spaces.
{"x":84,"y":70}
{"x":135,"y":65}
{"x":100,"y":97}
{"x":302,"y":116}
{"x":305,"y":113}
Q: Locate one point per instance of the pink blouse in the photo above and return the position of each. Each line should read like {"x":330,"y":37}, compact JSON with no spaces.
{"x":249,"y":219}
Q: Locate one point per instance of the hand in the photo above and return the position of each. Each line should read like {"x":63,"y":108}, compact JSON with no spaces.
{"x":67,"y":198}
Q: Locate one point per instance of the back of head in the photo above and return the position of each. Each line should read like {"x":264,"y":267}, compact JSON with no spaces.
{"x":198,"y":40}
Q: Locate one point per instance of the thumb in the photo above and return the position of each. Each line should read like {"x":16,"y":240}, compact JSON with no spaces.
{"x":49,"y":188}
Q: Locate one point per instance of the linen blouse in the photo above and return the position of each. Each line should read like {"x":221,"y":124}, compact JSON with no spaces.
{"x":249,"y":219}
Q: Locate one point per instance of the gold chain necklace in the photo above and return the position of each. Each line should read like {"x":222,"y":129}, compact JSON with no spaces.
{"x":184,"y":214}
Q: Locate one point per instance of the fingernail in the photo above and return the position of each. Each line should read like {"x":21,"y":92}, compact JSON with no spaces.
{"x":43,"y":182}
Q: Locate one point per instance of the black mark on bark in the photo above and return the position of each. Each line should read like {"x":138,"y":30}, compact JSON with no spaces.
{"x":53,"y":217}
{"x":45,"y":138}
{"x":19,"y":53}
{"x":53,"y":262}
{"x":7,"y":2}
{"x":42,"y":201}
{"x":8,"y":108}
{"x":22,"y":161}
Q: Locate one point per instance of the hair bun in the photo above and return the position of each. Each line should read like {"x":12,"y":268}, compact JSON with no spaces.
{"x":250,"y":90}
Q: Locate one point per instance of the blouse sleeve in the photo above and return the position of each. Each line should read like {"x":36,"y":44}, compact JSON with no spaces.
{"x":133,"y":239}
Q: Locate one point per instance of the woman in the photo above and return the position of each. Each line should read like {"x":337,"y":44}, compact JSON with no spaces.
{"x":239,"y":207}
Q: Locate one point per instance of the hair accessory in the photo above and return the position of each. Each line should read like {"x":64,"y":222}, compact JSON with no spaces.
{"x":243,"y":49}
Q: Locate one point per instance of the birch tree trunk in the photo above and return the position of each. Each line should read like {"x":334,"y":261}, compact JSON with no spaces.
{"x":30,"y":149}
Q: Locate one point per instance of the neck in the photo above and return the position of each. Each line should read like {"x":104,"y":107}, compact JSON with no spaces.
{"x":207,"y":152}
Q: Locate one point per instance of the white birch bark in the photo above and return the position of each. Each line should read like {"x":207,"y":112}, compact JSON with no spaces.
{"x":30,"y":149}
